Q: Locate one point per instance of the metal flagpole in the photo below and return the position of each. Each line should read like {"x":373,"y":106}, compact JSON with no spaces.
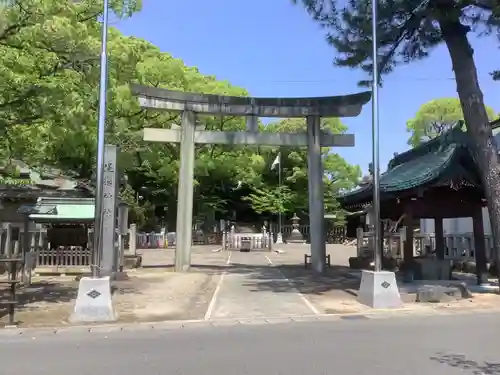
{"x":280,"y":197}
{"x":375,"y":145}
{"x":100,"y":143}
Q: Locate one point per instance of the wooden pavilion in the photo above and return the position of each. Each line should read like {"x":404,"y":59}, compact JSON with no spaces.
{"x":438,"y":179}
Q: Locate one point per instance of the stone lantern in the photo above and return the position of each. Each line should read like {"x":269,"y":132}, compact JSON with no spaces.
{"x":296,"y":236}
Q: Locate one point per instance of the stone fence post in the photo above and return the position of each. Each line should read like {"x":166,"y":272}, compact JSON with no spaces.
{"x":132,"y":242}
{"x":360,"y":239}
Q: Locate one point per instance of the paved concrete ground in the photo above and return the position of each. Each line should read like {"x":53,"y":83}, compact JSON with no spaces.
{"x":294,"y":253}
{"x":165,"y":258}
{"x":152,"y":293}
{"x":222,"y":285}
{"x":238,"y":294}
{"x":446,"y":345}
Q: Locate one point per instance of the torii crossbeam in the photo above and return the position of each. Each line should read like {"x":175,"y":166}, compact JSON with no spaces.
{"x":252,"y":108}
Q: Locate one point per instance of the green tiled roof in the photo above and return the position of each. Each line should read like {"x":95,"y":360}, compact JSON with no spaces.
{"x":60,"y":209}
{"x":67,"y":212}
{"x":443,"y":158}
{"x":18,"y":181}
{"x":49,"y":209}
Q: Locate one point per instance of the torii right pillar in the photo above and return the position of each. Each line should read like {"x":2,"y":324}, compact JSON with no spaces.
{"x":316,"y":197}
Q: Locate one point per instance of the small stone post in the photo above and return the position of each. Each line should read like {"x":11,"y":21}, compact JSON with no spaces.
{"x":2,"y":246}
{"x":232,"y":237}
{"x":122,"y":231}
{"x":41,"y":238}
{"x":402,"y":239}
{"x":16,"y":248}
{"x":33,"y":241}
{"x":265,"y":234}
{"x":132,"y":241}
{"x":360,"y":232}
{"x":224,"y":234}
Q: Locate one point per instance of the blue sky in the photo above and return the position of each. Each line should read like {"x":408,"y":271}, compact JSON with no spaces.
{"x":273,"y":48}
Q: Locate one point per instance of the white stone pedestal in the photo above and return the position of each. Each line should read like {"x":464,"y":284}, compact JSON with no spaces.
{"x":93,"y":303}
{"x":379,"y":290}
{"x":279,"y":238}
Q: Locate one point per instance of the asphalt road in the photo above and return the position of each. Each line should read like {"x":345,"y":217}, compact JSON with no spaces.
{"x":466,"y":344}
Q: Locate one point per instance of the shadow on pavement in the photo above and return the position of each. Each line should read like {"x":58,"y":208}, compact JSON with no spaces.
{"x":43,"y":291}
{"x":296,"y":277}
{"x":461,"y":362}
{"x":158,"y":266}
{"x":289,"y":278}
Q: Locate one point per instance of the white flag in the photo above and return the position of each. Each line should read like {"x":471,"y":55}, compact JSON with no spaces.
{"x":275,"y":162}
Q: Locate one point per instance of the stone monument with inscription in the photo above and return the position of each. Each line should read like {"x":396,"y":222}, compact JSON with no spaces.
{"x":109,"y":256}
{"x":94,"y":303}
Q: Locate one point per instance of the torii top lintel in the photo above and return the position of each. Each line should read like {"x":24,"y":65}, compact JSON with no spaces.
{"x":330,"y":106}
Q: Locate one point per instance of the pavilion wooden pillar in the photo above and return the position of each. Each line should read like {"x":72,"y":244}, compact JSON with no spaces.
{"x":408,"y":247}
{"x":439,"y":232}
{"x":479,"y":246}
{"x":408,"y":244}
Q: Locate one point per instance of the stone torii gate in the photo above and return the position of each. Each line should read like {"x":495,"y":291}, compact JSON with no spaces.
{"x":251,"y":108}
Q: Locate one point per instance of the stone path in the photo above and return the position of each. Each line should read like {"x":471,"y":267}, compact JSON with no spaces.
{"x":249,"y":289}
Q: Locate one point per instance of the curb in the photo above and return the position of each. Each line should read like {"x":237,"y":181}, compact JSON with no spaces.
{"x":34,"y":332}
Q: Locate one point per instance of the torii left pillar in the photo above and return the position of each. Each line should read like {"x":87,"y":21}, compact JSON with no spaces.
{"x":185,"y":194}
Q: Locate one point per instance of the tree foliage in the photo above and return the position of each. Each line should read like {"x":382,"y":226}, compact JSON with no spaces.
{"x":409,"y":30}
{"x":436,"y":117}
{"x":338,"y":173}
{"x":49,"y":69}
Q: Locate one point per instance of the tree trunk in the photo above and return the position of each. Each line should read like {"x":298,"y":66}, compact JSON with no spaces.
{"x":476,"y":118}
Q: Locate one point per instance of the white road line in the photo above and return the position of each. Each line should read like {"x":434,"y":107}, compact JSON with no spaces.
{"x":211,"y":306}
{"x":213,"y":301}
{"x":304,"y":299}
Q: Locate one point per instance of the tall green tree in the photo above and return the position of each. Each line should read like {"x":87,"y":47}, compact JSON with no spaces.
{"x":408,"y":30}
{"x":49,"y":50}
{"x":338,"y":174}
{"x":56,"y":126}
{"x":436,"y":117}
{"x":49,"y":108}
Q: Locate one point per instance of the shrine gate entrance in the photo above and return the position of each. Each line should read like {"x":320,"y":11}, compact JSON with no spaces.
{"x":252,"y":108}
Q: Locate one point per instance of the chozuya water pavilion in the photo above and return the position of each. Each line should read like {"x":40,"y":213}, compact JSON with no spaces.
{"x":438,"y":179}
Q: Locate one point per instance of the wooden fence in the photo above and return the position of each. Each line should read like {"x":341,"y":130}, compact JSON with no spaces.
{"x":46,"y":255}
